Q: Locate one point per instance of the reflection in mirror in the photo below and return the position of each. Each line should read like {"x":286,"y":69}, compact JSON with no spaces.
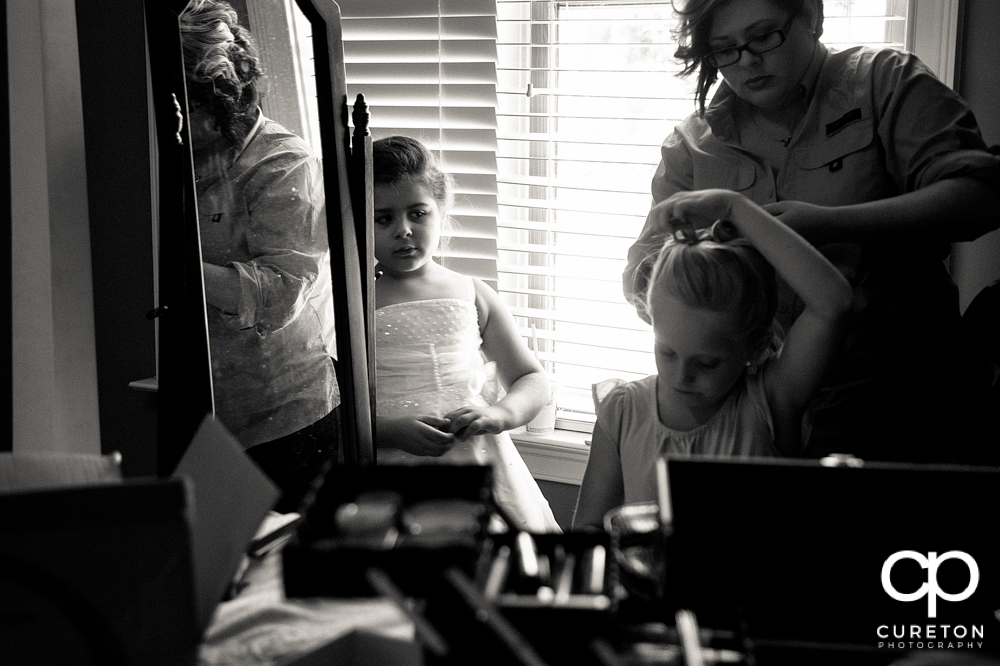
{"x":260,"y":197}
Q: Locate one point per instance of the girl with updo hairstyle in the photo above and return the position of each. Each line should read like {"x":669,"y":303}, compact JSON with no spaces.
{"x":396,"y":158}
{"x":266,"y":261}
{"x":725,"y":384}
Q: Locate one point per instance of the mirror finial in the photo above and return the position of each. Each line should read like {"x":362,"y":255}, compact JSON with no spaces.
{"x":361,"y":116}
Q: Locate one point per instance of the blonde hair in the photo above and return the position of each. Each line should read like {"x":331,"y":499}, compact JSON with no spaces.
{"x":724,"y":276}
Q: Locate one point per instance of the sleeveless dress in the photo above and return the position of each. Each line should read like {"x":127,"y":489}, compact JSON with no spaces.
{"x":428,"y":361}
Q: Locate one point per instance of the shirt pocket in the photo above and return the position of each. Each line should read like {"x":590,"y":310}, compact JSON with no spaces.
{"x":738,"y":174}
{"x":214,"y":228}
{"x":843,"y":168}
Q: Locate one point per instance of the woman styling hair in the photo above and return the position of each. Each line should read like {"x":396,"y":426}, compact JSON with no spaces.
{"x":870,"y":158}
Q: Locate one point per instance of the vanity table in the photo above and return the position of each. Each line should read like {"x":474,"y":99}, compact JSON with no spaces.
{"x":261,"y":627}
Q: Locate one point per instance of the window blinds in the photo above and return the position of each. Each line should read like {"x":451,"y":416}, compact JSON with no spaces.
{"x":427,"y":69}
{"x":585,"y":93}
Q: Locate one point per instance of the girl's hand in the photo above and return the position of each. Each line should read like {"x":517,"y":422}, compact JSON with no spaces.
{"x":471,"y":420}
{"x":422,"y":435}
{"x":689,"y":211}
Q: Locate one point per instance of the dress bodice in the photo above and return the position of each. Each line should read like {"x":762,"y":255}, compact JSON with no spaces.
{"x":427,"y":356}
{"x":428,"y":362}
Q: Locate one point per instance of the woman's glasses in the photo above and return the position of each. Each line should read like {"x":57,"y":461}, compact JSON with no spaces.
{"x":766,"y":42}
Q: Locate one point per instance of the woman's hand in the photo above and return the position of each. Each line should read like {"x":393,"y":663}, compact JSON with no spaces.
{"x":471,"y":420}
{"x":422,"y":435}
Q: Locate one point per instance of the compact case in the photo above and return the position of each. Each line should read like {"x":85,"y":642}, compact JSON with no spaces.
{"x":557,"y":590}
{"x":408,"y":522}
{"x":830,"y":561}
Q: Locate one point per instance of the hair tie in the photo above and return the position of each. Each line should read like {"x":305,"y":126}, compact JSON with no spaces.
{"x":683,"y":232}
{"x":721,"y":231}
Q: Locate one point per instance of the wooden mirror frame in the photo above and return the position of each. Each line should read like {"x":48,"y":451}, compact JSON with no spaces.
{"x":185,"y":371}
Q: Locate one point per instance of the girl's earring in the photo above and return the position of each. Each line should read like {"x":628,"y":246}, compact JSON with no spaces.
{"x":751,"y":368}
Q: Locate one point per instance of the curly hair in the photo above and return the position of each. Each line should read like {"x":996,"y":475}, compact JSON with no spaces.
{"x":222,"y":66}
{"x":395,"y":158}
{"x":731,"y":276}
{"x":693,"y":31}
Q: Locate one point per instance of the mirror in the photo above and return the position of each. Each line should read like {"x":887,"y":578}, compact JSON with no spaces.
{"x":262,"y":209}
{"x":262,"y":291}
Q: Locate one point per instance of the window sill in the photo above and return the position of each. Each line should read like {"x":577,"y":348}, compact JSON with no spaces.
{"x":559,"y":456}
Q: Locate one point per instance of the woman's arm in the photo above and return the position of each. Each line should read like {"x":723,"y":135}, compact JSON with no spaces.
{"x":222,"y":286}
{"x":934,"y":152}
{"x":952,"y":210}
{"x":522,"y":376}
{"x":286,"y":249}
{"x":602,"y":488}
{"x":813,"y":339}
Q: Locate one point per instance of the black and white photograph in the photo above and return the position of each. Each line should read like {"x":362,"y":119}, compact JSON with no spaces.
{"x":489,"y":332}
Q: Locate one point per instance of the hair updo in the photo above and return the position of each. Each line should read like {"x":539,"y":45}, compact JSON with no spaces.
{"x":730,"y":276}
{"x":221,"y":65}
{"x":396,"y":158}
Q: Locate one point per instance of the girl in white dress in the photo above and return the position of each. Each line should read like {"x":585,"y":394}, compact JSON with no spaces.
{"x":433,"y":326}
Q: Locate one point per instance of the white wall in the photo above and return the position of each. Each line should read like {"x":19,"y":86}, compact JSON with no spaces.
{"x":54,"y":360}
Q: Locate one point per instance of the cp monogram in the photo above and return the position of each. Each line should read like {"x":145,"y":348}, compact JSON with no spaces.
{"x":930,"y":589}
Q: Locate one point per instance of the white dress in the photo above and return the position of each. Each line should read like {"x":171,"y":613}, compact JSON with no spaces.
{"x":428,"y":361}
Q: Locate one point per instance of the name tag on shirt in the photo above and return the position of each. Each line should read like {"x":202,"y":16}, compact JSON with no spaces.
{"x":843,"y":121}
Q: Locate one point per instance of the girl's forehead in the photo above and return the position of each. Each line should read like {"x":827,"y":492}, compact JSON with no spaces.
{"x":406,"y":191}
{"x":693,"y":329}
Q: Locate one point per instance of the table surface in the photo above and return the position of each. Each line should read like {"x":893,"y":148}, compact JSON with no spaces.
{"x":260,"y":627}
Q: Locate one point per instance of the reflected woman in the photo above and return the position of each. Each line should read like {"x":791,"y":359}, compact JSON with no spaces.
{"x":266,"y":259}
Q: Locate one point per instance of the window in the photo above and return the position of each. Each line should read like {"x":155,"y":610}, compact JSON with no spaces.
{"x":587,"y":90}
{"x":550,"y":114}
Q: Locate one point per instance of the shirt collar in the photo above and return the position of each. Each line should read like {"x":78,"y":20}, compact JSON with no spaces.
{"x":809,"y":79}
{"x":251,"y":134}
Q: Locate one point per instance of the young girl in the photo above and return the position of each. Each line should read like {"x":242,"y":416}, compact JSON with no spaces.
{"x":720,"y":388}
{"x":431,"y":324}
